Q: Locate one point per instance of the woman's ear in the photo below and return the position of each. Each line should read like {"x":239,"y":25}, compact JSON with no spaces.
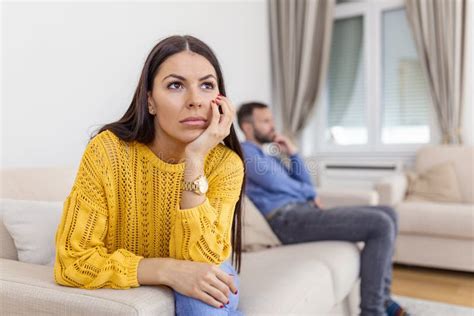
{"x":151,"y":106}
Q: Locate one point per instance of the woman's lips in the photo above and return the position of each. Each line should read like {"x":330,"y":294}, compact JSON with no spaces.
{"x":194,"y":122}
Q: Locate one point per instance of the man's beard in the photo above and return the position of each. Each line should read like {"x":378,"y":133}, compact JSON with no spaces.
{"x":263,"y":138}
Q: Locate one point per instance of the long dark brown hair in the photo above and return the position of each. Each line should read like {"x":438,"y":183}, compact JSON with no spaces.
{"x":137,"y":122}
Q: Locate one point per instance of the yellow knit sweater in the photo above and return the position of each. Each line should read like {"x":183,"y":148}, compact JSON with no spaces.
{"x":124,"y":206}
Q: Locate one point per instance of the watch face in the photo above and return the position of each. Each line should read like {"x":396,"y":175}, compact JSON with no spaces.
{"x":203,"y":186}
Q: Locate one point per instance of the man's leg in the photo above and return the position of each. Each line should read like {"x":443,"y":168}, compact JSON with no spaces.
{"x":388,"y":272}
{"x":307,"y":223}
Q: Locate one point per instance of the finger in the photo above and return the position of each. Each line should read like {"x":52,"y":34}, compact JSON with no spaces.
{"x":227,"y":279}
{"x":223,"y":109}
{"x":222,"y":286}
{"x":225,"y":122}
{"x":227,"y":112}
{"x":215,"y":114}
{"x":223,"y":128}
{"x":219,"y":291}
{"x":208,"y":299}
{"x":229,"y":103}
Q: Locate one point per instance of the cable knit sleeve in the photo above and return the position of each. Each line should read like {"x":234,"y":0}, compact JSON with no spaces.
{"x":82,"y":260}
{"x":203,"y":233}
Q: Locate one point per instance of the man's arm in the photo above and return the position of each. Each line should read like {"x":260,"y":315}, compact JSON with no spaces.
{"x":298,"y":170}
{"x":259,"y":171}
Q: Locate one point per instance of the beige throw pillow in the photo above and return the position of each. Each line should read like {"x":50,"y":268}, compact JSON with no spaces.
{"x":32,"y":226}
{"x":439,"y":183}
{"x":256,"y":232}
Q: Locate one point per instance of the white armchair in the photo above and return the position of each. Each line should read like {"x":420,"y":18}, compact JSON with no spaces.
{"x":431,"y":233}
{"x":392,"y":189}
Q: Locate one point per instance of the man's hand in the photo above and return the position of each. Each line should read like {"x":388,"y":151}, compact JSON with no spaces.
{"x":317,"y":202}
{"x":285,"y":145}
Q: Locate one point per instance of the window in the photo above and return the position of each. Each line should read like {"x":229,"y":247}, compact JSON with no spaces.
{"x":405,"y":113}
{"x":346,"y":84}
{"x":376,"y":96}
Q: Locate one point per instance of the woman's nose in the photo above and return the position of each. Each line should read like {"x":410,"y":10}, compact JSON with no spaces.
{"x":194,"y":99}
{"x":193,"y":104}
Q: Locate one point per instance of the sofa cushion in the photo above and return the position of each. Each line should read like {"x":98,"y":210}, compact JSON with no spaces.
{"x":462,"y":158}
{"x":32,"y":225}
{"x":29,"y":289}
{"x":256,"y":233}
{"x":437,"y":219}
{"x":438,"y":183}
{"x":301,"y":279}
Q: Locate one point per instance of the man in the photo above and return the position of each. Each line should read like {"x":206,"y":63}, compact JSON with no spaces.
{"x":285,"y":195}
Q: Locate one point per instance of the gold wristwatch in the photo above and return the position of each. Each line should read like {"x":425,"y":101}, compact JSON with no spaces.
{"x":198,"y":186}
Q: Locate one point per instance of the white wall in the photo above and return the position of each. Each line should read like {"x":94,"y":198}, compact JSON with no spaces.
{"x":68,"y":68}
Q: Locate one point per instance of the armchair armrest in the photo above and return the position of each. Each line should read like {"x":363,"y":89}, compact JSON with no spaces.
{"x":392,"y":189}
{"x":29,"y":289}
{"x":347,"y":197}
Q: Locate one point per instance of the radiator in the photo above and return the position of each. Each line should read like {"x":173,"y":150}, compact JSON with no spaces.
{"x":349,"y":174}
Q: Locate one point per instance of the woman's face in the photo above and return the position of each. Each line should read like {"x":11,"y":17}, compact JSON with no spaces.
{"x":181,"y":97}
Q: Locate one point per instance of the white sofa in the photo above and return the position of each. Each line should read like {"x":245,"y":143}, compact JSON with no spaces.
{"x":435,"y":234}
{"x":317,"y":278}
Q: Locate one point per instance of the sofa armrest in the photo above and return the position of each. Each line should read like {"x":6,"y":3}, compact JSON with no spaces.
{"x":29,"y":289}
{"x":392,"y":189}
{"x":347,"y":197}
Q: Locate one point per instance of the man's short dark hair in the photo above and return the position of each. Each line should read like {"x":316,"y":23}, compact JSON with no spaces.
{"x":245,"y":112}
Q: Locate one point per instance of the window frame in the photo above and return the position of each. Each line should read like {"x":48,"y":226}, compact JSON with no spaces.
{"x":372,"y":14}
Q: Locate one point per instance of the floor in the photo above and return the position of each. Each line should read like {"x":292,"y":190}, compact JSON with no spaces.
{"x":445,"y":286}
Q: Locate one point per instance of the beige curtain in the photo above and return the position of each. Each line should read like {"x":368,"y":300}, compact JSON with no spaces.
{"x":439,"y":30}
{"x":300,"y":33}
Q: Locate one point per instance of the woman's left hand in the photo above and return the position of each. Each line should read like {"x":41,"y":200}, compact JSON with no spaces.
{"x":217,"y":130}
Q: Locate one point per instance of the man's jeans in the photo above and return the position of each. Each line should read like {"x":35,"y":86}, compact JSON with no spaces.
{"x":375,"y":225}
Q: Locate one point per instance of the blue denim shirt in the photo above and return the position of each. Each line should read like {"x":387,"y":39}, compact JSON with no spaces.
{"x":270,"y":184}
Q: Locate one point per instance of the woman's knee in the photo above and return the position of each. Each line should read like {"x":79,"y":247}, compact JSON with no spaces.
{"x":186,"y":305}
{"x":228,"y":268}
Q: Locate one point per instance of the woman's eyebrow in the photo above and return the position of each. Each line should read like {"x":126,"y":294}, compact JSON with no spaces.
{"x":208,"y":76}
{"x":184,"y":79}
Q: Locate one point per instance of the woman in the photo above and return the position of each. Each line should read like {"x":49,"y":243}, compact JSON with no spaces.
{"x":157,"y":197}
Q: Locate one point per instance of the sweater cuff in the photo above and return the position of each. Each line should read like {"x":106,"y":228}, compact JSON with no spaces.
{"x":132,"y":273}
{"x":194,"y":213}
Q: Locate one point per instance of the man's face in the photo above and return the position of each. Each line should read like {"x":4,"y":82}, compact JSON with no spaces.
{"x":263,"y":125}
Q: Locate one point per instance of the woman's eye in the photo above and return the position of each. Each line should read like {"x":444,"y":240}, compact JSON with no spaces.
{"x":208,"y":85}
{"x":175,"y":85}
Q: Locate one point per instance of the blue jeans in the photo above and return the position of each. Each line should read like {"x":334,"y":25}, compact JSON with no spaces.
{"x":188,"y":306}
{"x":375,"y":225}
